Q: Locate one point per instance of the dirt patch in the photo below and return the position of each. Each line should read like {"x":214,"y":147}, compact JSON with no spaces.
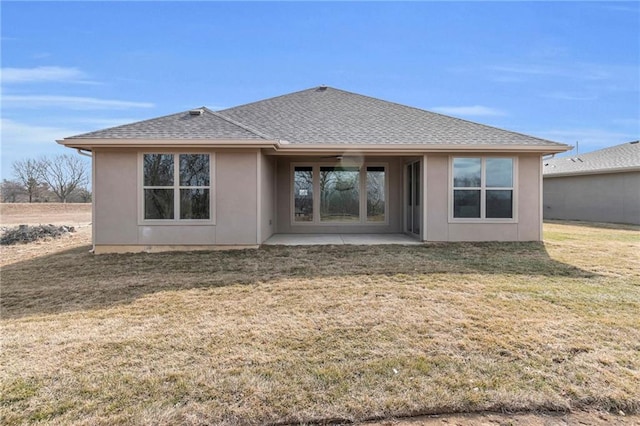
{"x":77,"y":215}
{"x":44,"y":213}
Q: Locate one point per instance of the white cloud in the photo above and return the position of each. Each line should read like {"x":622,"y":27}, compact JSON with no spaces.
{"x":71,"y":102}
{"x":25,"y":135}
{"x":43,"y":74}
{"x":632,"y":122}
{"x":582,"y":71}
{"x":568,"y":96}
{"x":474,"y":110}
{"x":23,"y":140}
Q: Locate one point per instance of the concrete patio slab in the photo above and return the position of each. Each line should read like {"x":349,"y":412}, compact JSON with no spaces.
{"x":339,"y":239}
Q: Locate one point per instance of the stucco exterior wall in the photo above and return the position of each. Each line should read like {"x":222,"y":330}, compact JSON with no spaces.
{"x":117,"y":204}
{"x":267,"y":197}
{"x":253,"y":200}
{"x":116,"y":197}
{"x":236,"y":197}
{"x":613,"y":197}
{"x":440,"y":227}
{"x":393,"y":204}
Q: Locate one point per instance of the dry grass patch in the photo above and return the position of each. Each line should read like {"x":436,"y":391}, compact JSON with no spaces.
{"x":295,"y":334}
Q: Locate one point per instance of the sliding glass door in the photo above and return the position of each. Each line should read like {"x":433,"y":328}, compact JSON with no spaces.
{"x":413,"y":216}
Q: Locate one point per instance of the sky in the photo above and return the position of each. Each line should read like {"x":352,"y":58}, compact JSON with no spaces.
{"x":564,"y":71}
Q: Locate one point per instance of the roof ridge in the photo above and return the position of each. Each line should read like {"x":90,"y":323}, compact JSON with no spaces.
{"x":447,"y":116}
{"x":276,"y":97}
{"x":237,"y":123}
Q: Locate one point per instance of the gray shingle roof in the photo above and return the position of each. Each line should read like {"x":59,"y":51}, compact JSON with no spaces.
{"x":183,"y":125}
{"x":328,"y":115}
{"x":614,"y":158}
{"x":322,"y":115}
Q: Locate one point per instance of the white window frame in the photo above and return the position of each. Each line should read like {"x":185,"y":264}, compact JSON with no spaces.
{"x":176,"y":188}
{"x":316,"y":194}
{"x":483,"y":191}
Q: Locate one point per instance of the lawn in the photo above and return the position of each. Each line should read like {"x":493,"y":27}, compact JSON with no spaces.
{"x":326,"y":333}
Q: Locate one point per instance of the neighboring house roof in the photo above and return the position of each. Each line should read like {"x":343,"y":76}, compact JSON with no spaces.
{"x":323,"y":116}
{"x":619,"y":158}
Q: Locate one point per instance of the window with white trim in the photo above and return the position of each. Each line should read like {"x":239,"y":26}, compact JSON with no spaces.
{"x":339,"y":194}
{"x":483,"y":188}
{"x":176,"y":187}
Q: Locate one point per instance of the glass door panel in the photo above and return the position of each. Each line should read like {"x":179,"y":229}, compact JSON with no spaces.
{"x":413,"y":194}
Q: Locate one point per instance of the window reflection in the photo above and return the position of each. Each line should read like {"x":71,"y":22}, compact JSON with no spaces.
{"x":339,"y":194}
{"x":303,"y":194}
{"x":375,"y":194}
{"x":467,"y":172}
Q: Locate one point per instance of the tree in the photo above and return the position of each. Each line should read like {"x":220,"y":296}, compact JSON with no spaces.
{"x":63,"y":174}
{"x":80,"y":195}
{"x":27,"y":173}
{"x":11,"y":191}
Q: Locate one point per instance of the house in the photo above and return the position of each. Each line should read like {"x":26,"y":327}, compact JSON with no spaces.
{"x":318,"y":161}
{"x":600,"y":186}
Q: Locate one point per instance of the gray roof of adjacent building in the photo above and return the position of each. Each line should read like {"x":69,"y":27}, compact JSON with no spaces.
{"x":321,"y":115}
{"x":618,"y":158}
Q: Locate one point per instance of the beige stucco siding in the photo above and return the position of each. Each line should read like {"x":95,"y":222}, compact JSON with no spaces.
{"x":529,"y":198}
{"x":612,"y":197}
{"x":437,"y":170}
{"x":176,"y":235}
{"x":267,"y":197}
{"x":118,"y":200}
{"x":236,"y":197}
{"x":253,"y":199}
{"x":116,"y":197}
{"x":526,"y":226}
{"x":393,"y":204}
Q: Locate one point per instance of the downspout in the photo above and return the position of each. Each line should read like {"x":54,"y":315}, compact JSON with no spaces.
{"x":80,"y":151}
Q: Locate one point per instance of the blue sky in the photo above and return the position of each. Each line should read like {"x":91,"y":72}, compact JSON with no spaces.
{"x":564,"y":71}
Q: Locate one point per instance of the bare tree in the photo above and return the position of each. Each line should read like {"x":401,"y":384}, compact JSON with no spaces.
{"x":64,"y":174}
{"x":27,"y":173}
{"x":11,"y":191}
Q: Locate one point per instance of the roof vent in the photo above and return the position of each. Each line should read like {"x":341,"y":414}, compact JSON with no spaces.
{"x":321,"y":88}
{"x":199,"y":111}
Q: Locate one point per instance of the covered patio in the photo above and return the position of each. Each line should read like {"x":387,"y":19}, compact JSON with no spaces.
{"x":340,"y":239}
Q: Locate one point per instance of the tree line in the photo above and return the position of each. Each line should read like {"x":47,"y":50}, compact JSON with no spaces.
{"x":63,"y":178}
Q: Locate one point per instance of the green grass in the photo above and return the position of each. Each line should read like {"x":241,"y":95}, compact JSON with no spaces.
{"x":303,"y":334}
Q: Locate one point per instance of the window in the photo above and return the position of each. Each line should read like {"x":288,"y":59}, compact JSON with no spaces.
{"x":483,"y":188}
{"x":375,"y":194}
{"x":336,"y":193}
{"x":339,"y":194}
{"x":303,"y":194}
{"x":176,"y":186}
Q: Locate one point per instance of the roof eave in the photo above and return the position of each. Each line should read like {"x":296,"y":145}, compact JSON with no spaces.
{"x":593,"y":172}
{"x":402,"y":149}
{"x":91,"y":143}
{"x":284,"y":148}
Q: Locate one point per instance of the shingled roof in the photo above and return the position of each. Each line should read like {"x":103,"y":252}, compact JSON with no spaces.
{"x":322,"y":115}
{"x":618,"y":158}
{"x":199,"y":123}
{"x":328,"y":115}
